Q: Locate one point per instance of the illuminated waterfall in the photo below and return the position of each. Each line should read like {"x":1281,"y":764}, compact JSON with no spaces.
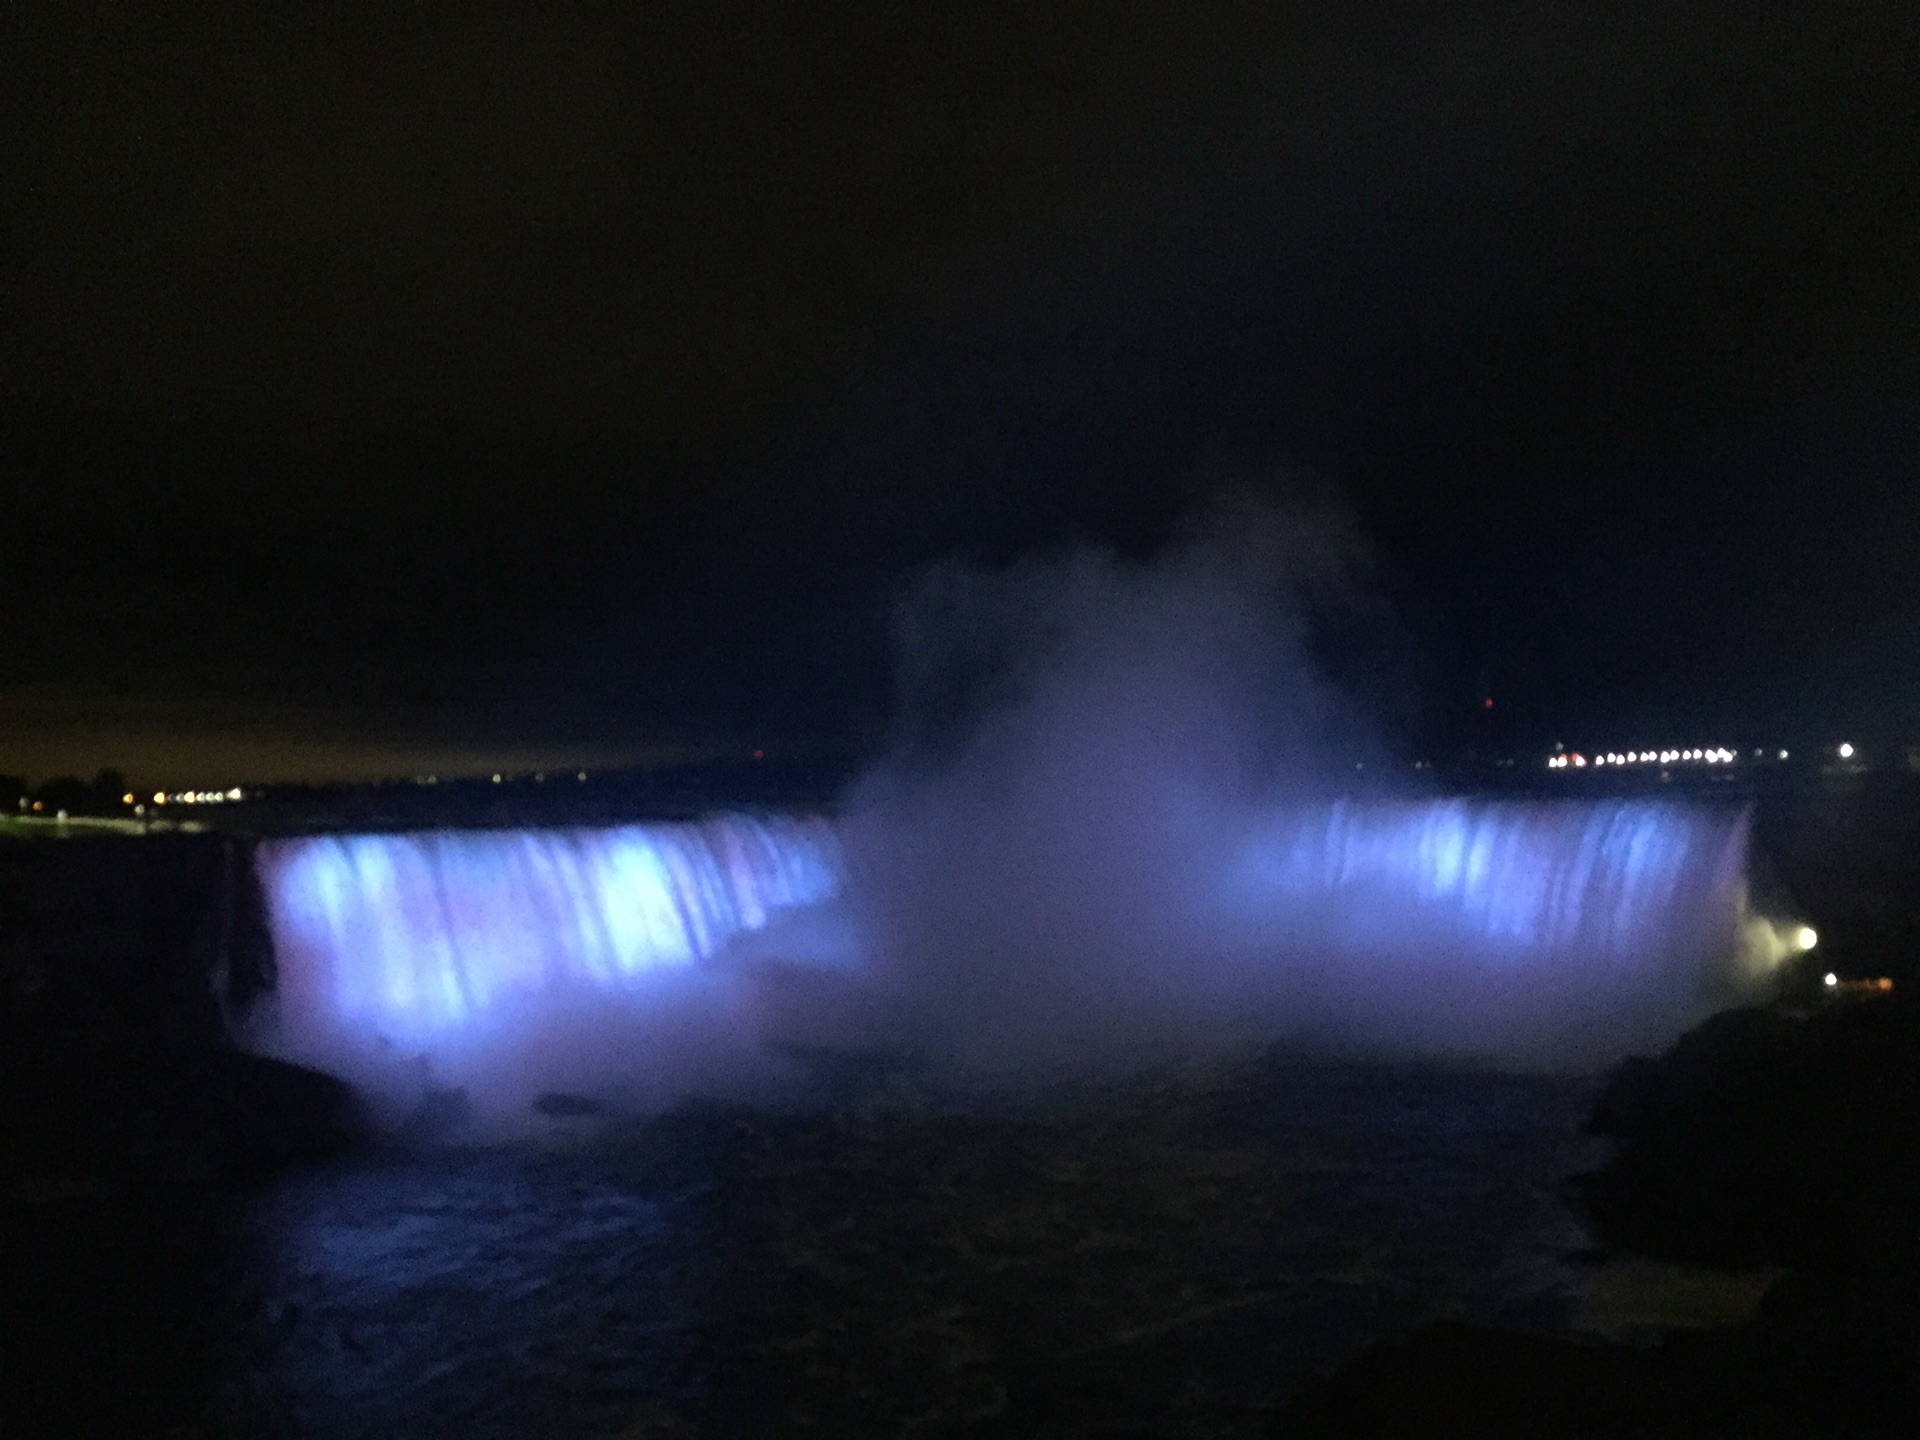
{"x":1556,"y":936}
{"x":1551,"y":933}
{"x":416,"y":936}
{"x":1516,"y":883}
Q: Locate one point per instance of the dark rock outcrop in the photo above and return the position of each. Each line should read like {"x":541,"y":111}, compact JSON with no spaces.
{"x":1762,"y":1138}
{"x":117,"y":966}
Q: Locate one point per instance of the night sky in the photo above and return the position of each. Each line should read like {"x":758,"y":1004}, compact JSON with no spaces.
{"x":408,"y":384}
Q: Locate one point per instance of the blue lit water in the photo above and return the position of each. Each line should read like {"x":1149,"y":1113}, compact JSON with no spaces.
{"x":873,"y":1254}
{"x":1163,"y":1257}
{"x":466,"y":1293}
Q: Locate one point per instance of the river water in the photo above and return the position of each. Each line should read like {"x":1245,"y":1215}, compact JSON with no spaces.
{"x":1166,"y":1256}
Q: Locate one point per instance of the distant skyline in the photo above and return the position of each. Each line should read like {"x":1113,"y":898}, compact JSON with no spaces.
{"x":181,"y":744}
{"x":457,"y":379}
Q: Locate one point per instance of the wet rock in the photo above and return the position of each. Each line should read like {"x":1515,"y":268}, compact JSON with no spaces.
{"x":560,"y":1105}
{"x":1708,"y":1069}
{"x":276,"y":1114}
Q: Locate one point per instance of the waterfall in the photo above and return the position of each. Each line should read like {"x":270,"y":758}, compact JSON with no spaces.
{"x":1524,"y":932}
{"x":1612,"y":883}
{"x":415,"y":936}
{"x":1542,"y":935}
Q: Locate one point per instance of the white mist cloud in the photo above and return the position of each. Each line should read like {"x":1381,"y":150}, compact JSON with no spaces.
{"x":1059,"y":866}
{"x":1081,"y":742}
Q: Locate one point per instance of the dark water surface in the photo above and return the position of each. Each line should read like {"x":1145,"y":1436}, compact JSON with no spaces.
{"x":1154,"y":1258}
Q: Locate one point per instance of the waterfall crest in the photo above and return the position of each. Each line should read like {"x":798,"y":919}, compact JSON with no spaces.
{"x":415,"y":936}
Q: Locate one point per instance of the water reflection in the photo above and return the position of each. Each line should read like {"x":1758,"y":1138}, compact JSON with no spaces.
{"x":469,"y":1293}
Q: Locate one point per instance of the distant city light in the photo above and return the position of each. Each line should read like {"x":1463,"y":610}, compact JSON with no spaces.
{"x":581,"y":776}
{"x":496,"y":779}
{"x":192,"y":797}
{"x":1806,"y":937}
{"x":127,"y":799}
{"x":1846,"y":751}
{"x":1830,"y":979}
{"x":1716,"y":755}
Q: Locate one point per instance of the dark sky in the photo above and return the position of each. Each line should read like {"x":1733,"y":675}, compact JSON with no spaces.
{"x":518,"y":380}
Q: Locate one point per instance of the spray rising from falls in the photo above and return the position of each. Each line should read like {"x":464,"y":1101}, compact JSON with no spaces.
{"x":1532,"y":933}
